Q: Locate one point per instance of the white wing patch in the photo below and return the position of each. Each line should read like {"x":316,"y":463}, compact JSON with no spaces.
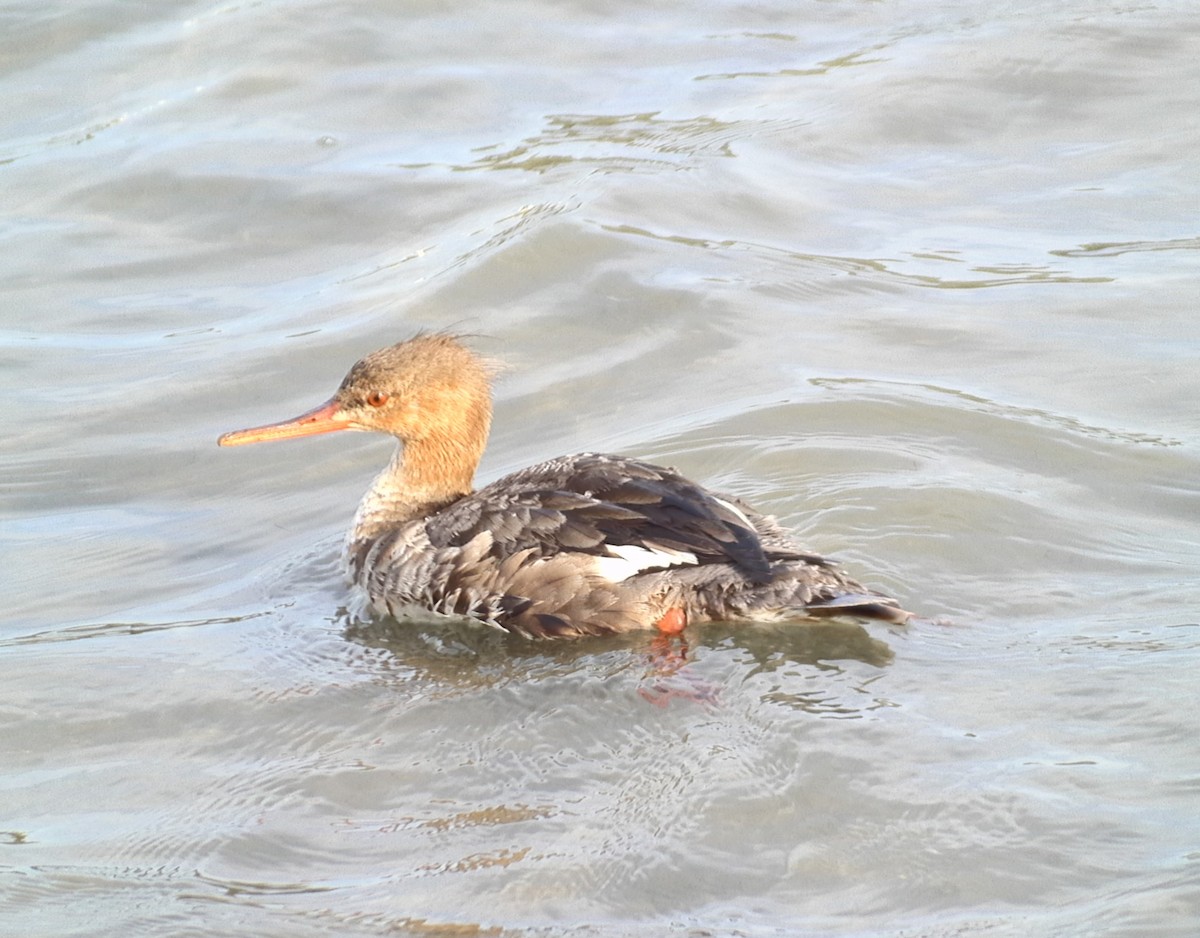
{"x":737,"y":511}
{"x":631,"y":559}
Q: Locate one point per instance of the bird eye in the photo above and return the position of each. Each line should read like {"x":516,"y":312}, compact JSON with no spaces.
{"x":377,"y":398}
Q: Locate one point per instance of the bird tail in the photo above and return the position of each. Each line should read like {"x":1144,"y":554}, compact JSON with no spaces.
{"x":863,"y":605}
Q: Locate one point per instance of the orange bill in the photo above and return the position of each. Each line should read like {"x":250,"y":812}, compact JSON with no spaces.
{"x":324,"y":419}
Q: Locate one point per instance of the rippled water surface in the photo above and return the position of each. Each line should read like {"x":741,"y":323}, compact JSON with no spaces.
{"x":920,"y":279}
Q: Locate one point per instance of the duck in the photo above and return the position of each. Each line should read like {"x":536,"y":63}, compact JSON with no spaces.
{"x":582,"y":545}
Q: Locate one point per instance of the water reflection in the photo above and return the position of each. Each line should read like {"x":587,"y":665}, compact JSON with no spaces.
{"x":454,"y":658}
{"x":624,"y":143}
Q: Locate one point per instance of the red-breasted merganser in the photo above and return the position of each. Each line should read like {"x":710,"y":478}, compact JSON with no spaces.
{"x":590,"y":544}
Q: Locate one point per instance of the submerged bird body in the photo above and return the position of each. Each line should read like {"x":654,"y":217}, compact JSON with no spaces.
{"x":588,"y":544}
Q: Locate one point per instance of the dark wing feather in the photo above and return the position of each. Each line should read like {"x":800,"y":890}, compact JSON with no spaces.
{"x":583,"y":503}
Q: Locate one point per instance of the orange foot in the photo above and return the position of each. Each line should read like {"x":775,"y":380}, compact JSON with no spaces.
{"x":668,"y":659}
{"x":673,"y":621}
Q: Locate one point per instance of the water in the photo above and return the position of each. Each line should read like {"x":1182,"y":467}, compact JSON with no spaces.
{"x":919,"y":279}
